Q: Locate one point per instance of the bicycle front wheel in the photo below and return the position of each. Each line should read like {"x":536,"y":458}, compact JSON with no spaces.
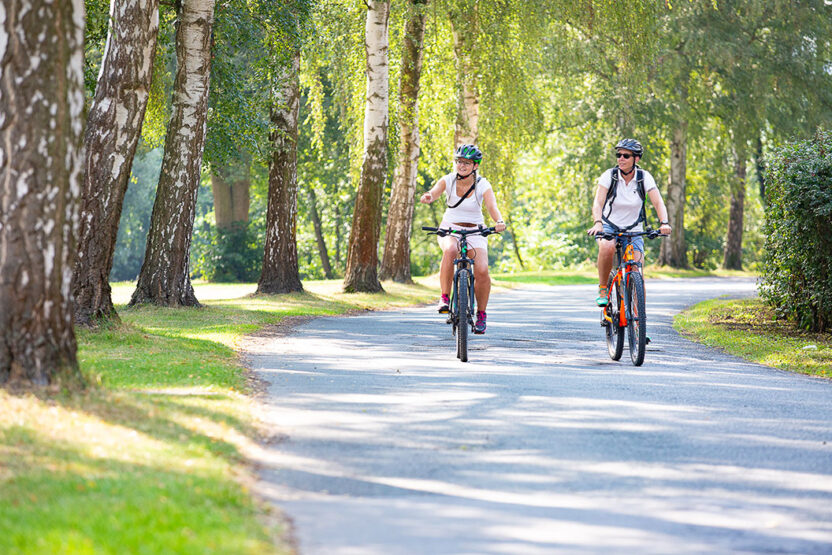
{"x":637,"y":322}
{"x":462,"y":315}
{"x":615,"y":333}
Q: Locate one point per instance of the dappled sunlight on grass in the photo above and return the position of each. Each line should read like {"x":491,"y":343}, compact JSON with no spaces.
{"x":747,"y":328}
{"x":122,"y":472}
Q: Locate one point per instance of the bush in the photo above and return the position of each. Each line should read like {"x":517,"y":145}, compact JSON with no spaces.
{"x":227,"y":255}
{"x":797,"y":272}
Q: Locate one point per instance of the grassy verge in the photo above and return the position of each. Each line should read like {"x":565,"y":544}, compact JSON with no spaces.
{"x":588,"y":274}
{"x":152,"y":457}
{"x":747,"y":328}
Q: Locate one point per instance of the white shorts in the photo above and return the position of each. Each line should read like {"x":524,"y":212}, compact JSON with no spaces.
{"x":474,"y":241}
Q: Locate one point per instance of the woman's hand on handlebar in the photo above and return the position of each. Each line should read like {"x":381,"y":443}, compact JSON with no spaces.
{"x":500,"y":227}
{"x":596,"y":229}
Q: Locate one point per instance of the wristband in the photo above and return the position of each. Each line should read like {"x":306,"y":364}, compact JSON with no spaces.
{"x":664,"y":223}
{"x":499,"y":222}
{"x":598,"y":221}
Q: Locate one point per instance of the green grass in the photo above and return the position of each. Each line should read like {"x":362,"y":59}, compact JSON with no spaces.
{"x":153,"y":456}
{"x":588,"y":274}
{"x":747,"y":328}
{"x":549,"y":277}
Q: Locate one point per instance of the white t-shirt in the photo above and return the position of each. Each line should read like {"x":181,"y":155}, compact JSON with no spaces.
{"x":470,"y":210}
{"x":626,"y":206}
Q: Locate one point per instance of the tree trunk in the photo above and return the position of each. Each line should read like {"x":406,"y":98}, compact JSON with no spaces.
{"x":114,"y":126}
{"x":362,"y":254}
{"x":338,"y":237}
{"x":231,"y":189}
{"x":164,"y":278}
{"x":319,"y":233}
{"x":674,"y":249}
{"x":761,"y":169}
{"x":41,"y":117}
{"x":465,"y":29}
{"x":280,"y":257}
{"x":395,"y":264}
{"x":733,"y":242}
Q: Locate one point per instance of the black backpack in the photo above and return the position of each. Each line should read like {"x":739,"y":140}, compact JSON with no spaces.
{"x":611,"y":192}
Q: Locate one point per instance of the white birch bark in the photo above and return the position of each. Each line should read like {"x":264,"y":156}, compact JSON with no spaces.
{"x":464,"y":28}
{"x":114,"y":126}
{"x":165,"y":275}
{"x":41,"y":157}
{"x":395,"y":264}
{"x":362,"y":256}
{"x":280,"y":272}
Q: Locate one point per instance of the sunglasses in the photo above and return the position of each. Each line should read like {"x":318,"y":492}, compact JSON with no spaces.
{"x":623,"y":155}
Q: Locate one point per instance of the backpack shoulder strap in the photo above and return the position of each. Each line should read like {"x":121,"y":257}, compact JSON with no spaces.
{"x":640,"y":182}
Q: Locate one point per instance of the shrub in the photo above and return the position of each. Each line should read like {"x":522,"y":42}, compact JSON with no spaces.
{"x":797,"y":270}
{"x":227,"y":255}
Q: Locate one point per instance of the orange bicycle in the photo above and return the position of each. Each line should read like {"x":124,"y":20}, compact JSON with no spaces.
{"x":625,"y":308}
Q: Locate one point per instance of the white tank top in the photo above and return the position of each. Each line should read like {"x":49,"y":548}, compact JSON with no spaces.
{"x":470,"y":209}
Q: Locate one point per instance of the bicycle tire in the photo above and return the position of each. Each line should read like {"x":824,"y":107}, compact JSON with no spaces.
{"x":637,"y":323}
{"x":462,"y":316}
{"x":614,"y":332}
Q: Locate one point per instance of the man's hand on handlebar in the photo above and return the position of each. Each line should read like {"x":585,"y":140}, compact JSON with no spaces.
{"x":596,"y":229}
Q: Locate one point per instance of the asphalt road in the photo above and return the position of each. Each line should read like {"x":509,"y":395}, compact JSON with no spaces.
{"x":541,"y":443}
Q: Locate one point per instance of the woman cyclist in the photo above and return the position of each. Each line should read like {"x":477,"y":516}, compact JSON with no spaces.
{"x":465,"y":193}
{"x":619,"y":206}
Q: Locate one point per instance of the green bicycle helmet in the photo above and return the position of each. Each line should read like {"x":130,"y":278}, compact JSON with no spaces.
{"x":469,"y":152}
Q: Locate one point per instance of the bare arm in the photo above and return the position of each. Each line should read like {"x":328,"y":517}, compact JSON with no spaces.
{"x":597,"y":210}
{"x":434,"y":193}
{"x":661,"y":210}
{"x":491,"y":205}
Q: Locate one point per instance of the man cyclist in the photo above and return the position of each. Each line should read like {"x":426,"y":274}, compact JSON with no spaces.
{"x":465,"y":194}
{"x":619,"y":206}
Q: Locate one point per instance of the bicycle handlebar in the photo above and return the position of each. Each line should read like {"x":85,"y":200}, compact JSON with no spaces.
{"x":650,"y":234}
{"x":442,"y":232}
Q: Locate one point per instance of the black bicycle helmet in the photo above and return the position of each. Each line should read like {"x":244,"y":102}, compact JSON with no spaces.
{"x":632,"y":145}
{"x":469,"y":152}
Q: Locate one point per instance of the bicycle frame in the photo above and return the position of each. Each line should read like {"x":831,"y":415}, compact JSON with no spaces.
{"x":462,"y":263}
{"x":627,"y":264}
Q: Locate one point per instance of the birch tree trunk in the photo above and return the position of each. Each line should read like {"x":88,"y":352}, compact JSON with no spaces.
{"x":41,"y":158}
{"x":280,"y":256}
{"x":395,"y":263}
{"x":465,"y":29}
{"x":674,"y":249}
{"x":114,"y":126}
{"x":319,"y":233}
{"x":732,"y":259}
{"x":362,"y":254}
{"x":164,"y":278}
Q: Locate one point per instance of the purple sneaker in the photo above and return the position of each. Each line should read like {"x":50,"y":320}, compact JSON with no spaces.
{"x":444,"y":304}
{"x":479,"y":327}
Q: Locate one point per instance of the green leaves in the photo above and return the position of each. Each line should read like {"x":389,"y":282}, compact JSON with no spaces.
{"x":797,"y":278}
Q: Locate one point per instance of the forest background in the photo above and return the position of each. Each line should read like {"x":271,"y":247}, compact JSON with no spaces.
{"x":709,"y":87}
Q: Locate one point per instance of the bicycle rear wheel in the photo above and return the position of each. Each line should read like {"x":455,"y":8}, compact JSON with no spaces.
{"x":462,"y":301}
{"x":637,"y":323}
{"x":614,"y":332}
